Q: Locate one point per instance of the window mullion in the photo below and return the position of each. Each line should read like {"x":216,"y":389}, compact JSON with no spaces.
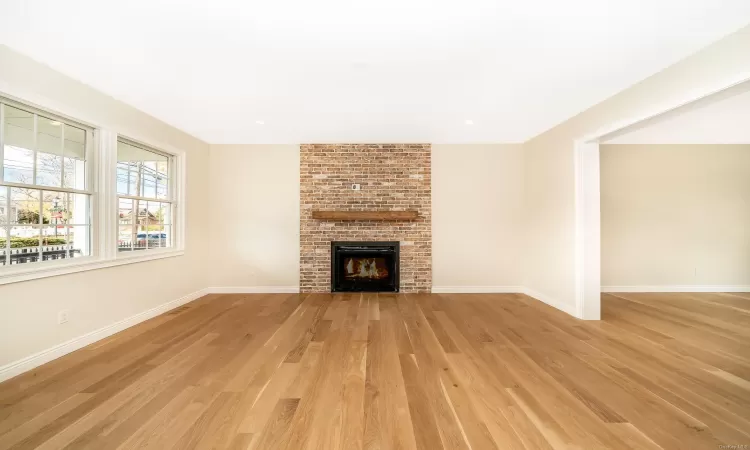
{"x":7,"y":244}
{"x":68,"y":249}
{"x":173,"y":196}
{"x":7,"y":226}
{"x":148,"y":199}
{"x":62,"y":156}
{"x":47,"y":188}
{"x":106,"y":197}
{"x":41,"y":224}
{"x":35,"y":145}
{"x":139,"y":180}
{"x":136,"y":208}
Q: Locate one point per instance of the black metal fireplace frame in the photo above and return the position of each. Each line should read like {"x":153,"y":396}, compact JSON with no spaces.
{"x":340,"y":249}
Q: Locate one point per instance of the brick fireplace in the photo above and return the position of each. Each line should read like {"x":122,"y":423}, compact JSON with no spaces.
{"x":390,"y":177}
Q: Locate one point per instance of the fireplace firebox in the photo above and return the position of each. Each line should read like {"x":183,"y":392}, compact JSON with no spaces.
{"x":364,"y":266}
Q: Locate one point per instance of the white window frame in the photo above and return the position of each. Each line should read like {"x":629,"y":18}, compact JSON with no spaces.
{"x":101,"y":178}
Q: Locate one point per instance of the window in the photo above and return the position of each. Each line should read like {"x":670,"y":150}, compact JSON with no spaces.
{"x":45,"y":201}
{"x":76,"y":198}
{"x":145,"y":198}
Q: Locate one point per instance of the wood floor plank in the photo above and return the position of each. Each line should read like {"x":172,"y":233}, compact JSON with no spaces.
{"x":367,"y":371}
{"x":351,"y":424}
{"x":374,"y":432}
{"x":274,"y":435}
{"x":427,"y":436}
{"x":212,"y":425}
{"x":261,"y":410}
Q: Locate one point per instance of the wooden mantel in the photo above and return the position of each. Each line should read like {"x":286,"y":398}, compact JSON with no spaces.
{"x":365,"y":215}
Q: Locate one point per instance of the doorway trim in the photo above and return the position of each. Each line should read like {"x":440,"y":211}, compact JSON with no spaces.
{"x":587,"y":194}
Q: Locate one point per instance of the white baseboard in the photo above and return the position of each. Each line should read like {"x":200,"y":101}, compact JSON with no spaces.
{"x":30,"y":362}
{"x":477,"y":289}
{"x":677,"y":288}
{"x":570,"y":309}
{"x":254,"y":290}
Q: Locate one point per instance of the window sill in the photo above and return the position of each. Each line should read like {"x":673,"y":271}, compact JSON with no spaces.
{"x":8,"y":276}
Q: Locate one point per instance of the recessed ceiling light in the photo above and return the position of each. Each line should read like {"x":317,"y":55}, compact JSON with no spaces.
{"x":55,"y":123}
{"x":259,"y":122}
{"x":469,"y":122}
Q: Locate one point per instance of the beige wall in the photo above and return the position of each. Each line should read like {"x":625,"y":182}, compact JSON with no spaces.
{"x":477,"y":215}
{"x":675,"y":215}
{"x":549,"y":165}
{"x":254,"y":237}
{"x":97,"y":298}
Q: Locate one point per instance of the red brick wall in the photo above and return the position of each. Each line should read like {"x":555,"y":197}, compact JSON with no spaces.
{"x":392,"y":177}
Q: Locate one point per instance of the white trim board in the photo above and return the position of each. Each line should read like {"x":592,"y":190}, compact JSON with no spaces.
{"x":477,"y":289}
{"x":33,"y":361}
{"x":253,"y":290}
{"x":587,"y":196}
{"x":677,"y":288}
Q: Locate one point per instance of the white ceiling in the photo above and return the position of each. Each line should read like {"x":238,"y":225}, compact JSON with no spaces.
{"x":724,"y":119}
{"x":355,"y":70}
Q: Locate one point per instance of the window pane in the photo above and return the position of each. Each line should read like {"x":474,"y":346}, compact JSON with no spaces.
{"x":24,"y":206}
{"x":134,"y":218}
{"x":162,"y":188}
{"x":160,"y":237}
{"x":154,"y":214}
{"x":78,"y":241}
{"x":24,"y":243}
{"x":53,"y":243}
{"x":167,"y":236}
{"x":149,"y":179}
{"x":125,"y":235}
{"x":166,"y":213}
{"x":162,"y":179}
{"x":74,"y":158}
{"x":3,"y":243}
{"x":156,"y":237}
{"x":4,"y":208}
{"x":138,"y":216}
{"x":18,"y":157}
{"x":150,"y":224}
{"x":162,"y":168}
{"x":49,"y":152}
{"x":76,"y":211}
{"x":53,"y":207}
{"x":125,"y":210}
{"x":126,"y":179}
{"x":125,"y":238}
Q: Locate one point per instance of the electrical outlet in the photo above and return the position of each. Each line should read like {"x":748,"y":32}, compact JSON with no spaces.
{"x":63,"y":316}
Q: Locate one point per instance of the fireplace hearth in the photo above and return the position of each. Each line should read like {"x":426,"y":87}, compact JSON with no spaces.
{"x":364,"y":266}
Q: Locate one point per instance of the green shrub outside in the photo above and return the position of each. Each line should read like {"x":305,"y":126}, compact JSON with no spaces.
{"x":31,"y":242}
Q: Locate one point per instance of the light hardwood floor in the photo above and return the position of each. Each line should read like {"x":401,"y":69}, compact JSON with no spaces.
{"x":295,"y":371}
